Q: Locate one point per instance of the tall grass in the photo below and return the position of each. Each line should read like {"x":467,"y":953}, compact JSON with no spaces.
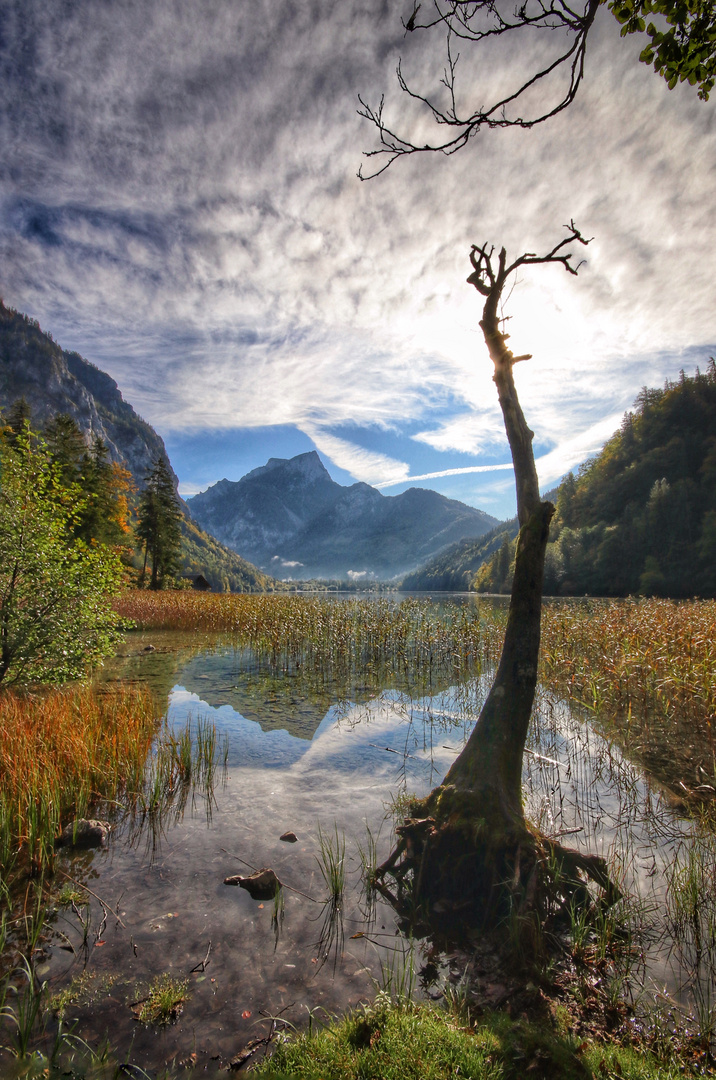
{"x":60,"y":753}
{"x":647,"y":668}
{"x":351,"y":640}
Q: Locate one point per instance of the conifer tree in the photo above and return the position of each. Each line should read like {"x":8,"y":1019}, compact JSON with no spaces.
{"x":158,"y":525}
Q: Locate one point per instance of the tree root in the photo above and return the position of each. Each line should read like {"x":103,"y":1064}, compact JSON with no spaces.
{"x":450,"y":871}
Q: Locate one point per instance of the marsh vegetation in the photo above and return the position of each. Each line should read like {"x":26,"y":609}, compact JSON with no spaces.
{"x":322,"y":716}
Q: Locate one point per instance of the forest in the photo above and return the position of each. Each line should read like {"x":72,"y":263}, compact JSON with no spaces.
{"x":640,"y":517}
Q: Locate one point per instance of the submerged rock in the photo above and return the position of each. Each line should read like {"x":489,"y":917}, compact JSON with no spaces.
{"x":84,"y":833}
{"x":289,"y":838}
{"x":262,"y":885}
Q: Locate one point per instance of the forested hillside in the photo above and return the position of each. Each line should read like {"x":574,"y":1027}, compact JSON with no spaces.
{"x":454,"y":570}
{"x":641,"y":516}
{"x":225,"y":571}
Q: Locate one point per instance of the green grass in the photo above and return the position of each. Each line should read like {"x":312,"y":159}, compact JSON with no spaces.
{"x":164,"y":1000}
{"x":421,"y":1042}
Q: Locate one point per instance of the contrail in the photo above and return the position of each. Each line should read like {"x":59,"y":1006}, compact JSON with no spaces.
{"x":445,"y":472}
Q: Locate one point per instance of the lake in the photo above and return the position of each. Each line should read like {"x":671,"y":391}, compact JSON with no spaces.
{"x":329,"y":763}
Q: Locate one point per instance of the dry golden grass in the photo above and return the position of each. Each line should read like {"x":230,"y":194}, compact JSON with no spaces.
{"x":652,"y":658}
{"x":60,"y":752}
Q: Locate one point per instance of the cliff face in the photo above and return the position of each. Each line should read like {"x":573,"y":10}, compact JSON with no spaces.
{"x":292,"y":519}
{"x":52,"y":380}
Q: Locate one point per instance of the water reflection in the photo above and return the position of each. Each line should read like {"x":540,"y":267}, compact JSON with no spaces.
{"x":316,"y":759}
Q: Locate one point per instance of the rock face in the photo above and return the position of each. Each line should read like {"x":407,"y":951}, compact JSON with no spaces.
{"x":52,"y":380}
{"x":291,"y":519}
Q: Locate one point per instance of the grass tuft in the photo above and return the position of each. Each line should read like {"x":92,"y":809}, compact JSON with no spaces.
{"x":164,"y":1001}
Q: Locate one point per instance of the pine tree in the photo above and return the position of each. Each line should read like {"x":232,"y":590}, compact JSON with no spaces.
{"x":158,"y":525}
{"x":17,"y":422}
{"x":67,"y":446}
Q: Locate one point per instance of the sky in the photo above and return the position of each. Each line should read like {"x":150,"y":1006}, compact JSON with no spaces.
{"x":179,"y":204}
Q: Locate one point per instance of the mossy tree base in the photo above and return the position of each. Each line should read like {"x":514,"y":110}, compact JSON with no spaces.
{"x":459,"y":866}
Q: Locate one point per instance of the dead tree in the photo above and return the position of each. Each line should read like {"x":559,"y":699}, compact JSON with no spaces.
{"x":469,"y":840}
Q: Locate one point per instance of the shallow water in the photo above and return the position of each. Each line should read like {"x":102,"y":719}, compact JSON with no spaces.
{"x":300,"y":755}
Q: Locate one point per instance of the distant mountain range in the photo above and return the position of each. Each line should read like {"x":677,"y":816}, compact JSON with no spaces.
{"x":292,"y":520}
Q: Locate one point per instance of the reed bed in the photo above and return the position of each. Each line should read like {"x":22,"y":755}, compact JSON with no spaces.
{"x":645,"y":667}
{"x":60,"y":753}
{"x":333,"y":636}
{"x":648,"y":668}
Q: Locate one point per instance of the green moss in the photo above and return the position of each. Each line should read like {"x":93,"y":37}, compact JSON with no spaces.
{"x":164,"y":1001}
{"x":420,"y":1042}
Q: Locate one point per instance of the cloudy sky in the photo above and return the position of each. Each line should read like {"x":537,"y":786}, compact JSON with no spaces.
{"x":179,"y":204}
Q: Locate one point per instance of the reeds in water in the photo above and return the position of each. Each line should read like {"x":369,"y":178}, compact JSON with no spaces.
{"x":341,"y":641}
{"x":60,"y":753}
{"x":647,"y":668}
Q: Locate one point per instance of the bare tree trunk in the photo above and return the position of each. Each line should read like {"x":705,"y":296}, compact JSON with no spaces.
{"x":490,"y":766}
{"x":469,"y":837}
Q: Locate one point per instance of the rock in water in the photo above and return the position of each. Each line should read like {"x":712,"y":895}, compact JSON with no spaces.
{"x":84,"y":833}
{"x":262,"y":885}
{"x":289,"y":838}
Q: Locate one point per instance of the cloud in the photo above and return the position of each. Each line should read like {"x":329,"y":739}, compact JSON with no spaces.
{"x":178,"y":202}
{"x":553,"y":465}
{"x":449,"y":472}
{"x":468,"y":433}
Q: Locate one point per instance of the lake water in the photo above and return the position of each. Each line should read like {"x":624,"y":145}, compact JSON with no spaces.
{"x":304,"y":757}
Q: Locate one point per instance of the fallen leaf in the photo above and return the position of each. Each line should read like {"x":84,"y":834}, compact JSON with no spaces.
{"x":246,"y":1014}
{"x":260,"y":905}
{"x":98,"y":944}
{"x":359,"y":934}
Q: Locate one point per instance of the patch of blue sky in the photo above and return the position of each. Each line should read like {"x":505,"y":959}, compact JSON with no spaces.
{"x":201,"y":458}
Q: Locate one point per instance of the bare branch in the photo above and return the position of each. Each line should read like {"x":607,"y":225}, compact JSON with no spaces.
{"x":474,"y":21}
{"x":575,"y":236}
{"x":490,"y":277}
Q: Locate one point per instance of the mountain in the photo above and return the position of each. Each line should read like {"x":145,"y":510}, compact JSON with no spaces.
{"x":223,"y":569}
{"x":292,"y":519}
{"x":52,"y":381}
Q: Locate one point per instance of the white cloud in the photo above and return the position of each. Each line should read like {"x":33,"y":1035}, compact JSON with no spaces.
{"x":572,"y":452}
{"x":449,"y":472}
{"x":366,"y":465}
{"x":183,"y":210}
{"x":468,"y":433}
